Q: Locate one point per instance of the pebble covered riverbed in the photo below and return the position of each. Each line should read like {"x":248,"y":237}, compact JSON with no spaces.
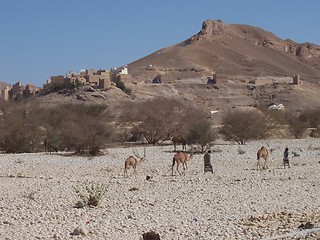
{"x":37,"y":196}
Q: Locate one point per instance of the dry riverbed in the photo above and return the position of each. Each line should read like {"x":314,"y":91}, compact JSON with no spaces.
{"x":37,"y":196}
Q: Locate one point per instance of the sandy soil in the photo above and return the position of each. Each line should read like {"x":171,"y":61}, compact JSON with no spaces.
{"x":37,"y":196}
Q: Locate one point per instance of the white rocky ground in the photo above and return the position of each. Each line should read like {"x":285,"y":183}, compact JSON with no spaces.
{"x":236,"y":202}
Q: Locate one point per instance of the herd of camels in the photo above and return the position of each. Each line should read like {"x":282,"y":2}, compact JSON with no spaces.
{"x":181,"y":157}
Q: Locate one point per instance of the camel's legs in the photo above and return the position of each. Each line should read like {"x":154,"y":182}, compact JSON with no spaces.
{"x":178,"y":168}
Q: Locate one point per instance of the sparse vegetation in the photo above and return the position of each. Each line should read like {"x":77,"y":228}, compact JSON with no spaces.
{"x":297,"y":126}
{"x":85,"y":129}
{"x":91,"y":193}
{"x":19,"y":132}
{"x":242,"y":126}
{"x":123,"y":87}
{"x":157,"y":119}
{"x":202,"y":134}
{"x":312,"y":119}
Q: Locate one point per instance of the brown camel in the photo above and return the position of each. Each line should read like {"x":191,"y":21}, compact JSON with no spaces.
{"x":262,"y":153}
{"x":182,"y":158}
{"x":179,"y":140}
{"x":133,"y":162}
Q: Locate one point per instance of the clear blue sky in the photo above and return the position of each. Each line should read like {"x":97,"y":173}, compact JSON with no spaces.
{"x":41,"y":38}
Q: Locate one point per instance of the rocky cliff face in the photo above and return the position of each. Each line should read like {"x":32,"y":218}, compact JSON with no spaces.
{"x":209,"y":29}
{"x":304,"y":50}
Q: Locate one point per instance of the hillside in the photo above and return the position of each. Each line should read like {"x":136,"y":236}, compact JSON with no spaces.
{"x":230,"y":50}
{"x":237,"y":54}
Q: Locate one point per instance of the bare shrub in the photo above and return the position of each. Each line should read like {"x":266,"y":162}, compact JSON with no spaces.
{"x":51,"y":119}
{"x":311,"y":117}
{"x":157,"y":119}
{"x":85,"y":129}
{"x":202,"y":134}
{"x":297,"y":126}
{"x":287,"y":120}
{"x":132,"y":135}
{"x":242,"y":126}
{"x":19,"y":131}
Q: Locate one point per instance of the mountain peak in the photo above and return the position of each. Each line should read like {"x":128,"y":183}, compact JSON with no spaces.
{"x":212,"y":27}
{"x":232,"y":49}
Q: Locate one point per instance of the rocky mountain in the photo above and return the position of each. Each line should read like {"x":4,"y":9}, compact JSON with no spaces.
{"x":231,"y":50}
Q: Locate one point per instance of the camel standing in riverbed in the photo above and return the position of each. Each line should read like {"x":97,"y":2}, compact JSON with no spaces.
{"x":179,"y":140}
{"x":133,"y":162}
{"x":262,"y":153}
{"x":182,"y":158}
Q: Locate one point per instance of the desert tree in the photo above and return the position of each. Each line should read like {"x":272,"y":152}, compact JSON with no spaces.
{"x":296,"y":125}
{"x":201,"y":134}
{"x":159,"y":118}
{"x":19,"y":131}
{"x":51,"y":118}
{"x":311,"y":117}
{"x":86,"y":128}
{"x":242,"y":126}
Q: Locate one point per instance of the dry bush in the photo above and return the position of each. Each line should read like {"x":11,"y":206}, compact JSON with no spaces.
{"x":242,"y":126}
{"x":296,"y":123}
{"x":85,"y":129}
{"x":312,"y":119}
{"x":297,"y":127}
{"x":201,"y":133}
{"x":279,"y":116}
{"x":157,"y":119}
{"x":19,"y":131}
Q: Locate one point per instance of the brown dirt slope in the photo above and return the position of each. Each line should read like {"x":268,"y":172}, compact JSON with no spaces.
{"x":231,"y":49}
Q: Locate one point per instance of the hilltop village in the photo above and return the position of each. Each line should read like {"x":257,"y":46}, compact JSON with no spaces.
{"x":97,"y":79}
{"x":103,"y":80}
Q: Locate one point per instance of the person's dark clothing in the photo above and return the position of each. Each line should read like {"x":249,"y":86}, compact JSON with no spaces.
{"x":207,"y":162}
{"x":286,"y":158}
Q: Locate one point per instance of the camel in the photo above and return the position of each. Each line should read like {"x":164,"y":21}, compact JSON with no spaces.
{"x":182,"y":158}
{"x":133,"y":162}
{"x":262,"y":153}
{"x":179,"y":140}
{"x":48,"y":147}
